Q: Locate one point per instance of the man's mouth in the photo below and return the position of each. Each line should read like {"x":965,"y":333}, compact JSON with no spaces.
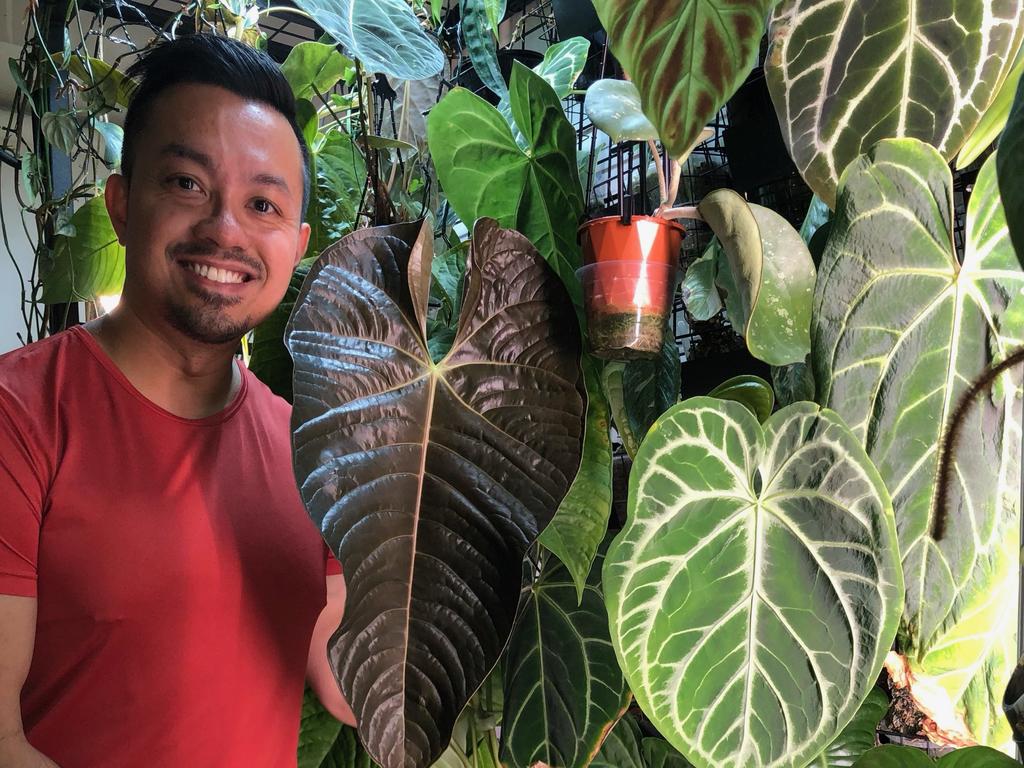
{"x":217,"y":274}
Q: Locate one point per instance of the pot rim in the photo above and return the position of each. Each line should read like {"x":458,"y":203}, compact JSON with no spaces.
{"x":605,"y":219}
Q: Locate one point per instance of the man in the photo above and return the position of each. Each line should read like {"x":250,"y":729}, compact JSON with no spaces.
{"x":159,"y":578}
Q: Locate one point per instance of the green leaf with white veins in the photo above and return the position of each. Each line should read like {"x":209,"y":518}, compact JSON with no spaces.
{"x":756,"y":588}
{"x":384,"y":35}
{"x":844,"y":74}
{"x":563,"y":686}
{"x":687,"y":57}
{"x":484,"y":172}
{"x":900,"y":330}
{"x":614,"y":107}
{"x":772,"y":272}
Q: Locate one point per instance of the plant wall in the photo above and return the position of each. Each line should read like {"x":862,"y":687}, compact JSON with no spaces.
{"x":783,"y":543}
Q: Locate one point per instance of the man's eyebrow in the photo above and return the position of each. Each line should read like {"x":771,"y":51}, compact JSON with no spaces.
{"x":270,"y":180}
{"x":174,"y":149}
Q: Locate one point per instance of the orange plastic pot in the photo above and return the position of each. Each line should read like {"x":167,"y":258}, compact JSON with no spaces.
{"x":629,"y":279}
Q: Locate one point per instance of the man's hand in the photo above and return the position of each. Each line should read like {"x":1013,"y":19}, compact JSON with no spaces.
{"x":17,"y":636}
{"x":318,"y":669}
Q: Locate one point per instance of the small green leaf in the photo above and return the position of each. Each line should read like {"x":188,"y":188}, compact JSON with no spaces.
{"x":640,"y":391}
{"x":614,"y":107}
{"x":891,"y":756}
{"x":113,"y":137}
{"x":699,"y":290}
{"x":752,"y":392}
{"x":383,"y":142}
{"x":495,"y":13}
{"x":576,"y":531}
{"x":307,"y":120}
{"x":563,"y":62}
{"x":30,"y":176}
{"x":60,"y":128}
{"x":19,"y":81}
{"x":977,"y":757}
{"x":318,"y":731}
{"x":313,"y":68}
{"x":658,"y":753}
{"x":772,"y":272}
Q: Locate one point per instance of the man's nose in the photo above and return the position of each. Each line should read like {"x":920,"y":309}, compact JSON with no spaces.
{"x":221,"y":226}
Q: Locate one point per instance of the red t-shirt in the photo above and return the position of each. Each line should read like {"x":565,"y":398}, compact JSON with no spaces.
{"x":178,"y":576}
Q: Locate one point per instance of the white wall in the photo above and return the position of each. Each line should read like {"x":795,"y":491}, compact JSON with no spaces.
{"x":11,"y":322}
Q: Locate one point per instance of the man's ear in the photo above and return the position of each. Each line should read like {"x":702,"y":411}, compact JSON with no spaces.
{"x":115,"y":195}
{"x":302,"y":244}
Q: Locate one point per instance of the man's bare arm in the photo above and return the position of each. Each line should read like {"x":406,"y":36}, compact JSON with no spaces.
{"x":318,"y":669}
{"x":17,"y":636}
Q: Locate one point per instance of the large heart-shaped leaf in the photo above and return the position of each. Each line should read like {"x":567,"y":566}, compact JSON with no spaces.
{"x":756,"y":588}
{"x":563,"y":687}
{"x":430,"y":480}
{"x":576,"y":532}
{"x":384,"y":35}
{"x":687,"y":57}
{"x":484,"y":172}
{"x":773,"y":273}
{"x":88,"y":263}
{"x":900,"y":330}
{"x":857,"y":737}
{"x":640,"y":391}
{"x":845,"y":74}
{"x":1011,"y":180}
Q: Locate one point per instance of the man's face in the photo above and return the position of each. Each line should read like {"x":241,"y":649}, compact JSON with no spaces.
{"x":210,"y":220}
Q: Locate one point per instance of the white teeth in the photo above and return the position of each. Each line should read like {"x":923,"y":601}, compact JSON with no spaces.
{"x":217,"y":275}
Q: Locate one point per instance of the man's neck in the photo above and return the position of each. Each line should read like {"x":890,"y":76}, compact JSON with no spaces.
{"x":188,"y":378}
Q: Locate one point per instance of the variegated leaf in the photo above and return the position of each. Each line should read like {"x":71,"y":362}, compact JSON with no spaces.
{"x":900,"y":330}
{"x":687,"y":57}
{"x":756,"y":587}
{"x":844,"y":74}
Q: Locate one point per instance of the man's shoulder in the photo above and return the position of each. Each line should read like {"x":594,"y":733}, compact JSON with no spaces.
{"x":39,"y":367}
{"x":265,"y":402}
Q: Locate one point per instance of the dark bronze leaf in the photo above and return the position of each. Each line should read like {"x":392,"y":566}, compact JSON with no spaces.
{"x":429,"y":481}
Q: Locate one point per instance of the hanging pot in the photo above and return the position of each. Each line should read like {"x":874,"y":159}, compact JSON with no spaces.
{"x":629,"y":278}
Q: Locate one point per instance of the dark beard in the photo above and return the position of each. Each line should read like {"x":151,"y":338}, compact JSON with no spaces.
{"x":206,"y":323}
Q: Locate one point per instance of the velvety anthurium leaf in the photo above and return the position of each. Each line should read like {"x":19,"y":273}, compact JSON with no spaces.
{"x":857,"y":737}
{"x":384,"y":35}
{"x":430,"y":480}
{"x":1011,"y":179}
{"x":793,"y":383}
{"x":756,"y":588}
{"x":640,"y":391}
{"x":891,"y":756}
{"x":752,"y":392}
{"x":995,"y":117}
{"x":772,"y":272}
{"x":270,"y":361}
{"x":846,"y":74}
{"x":88,"y":263}
{"x":313,"y":68}
{"x":687,"y":57}
{"x":576,"y":531}
{"x":901,"y":328}
{"x":563,"y":687}
{"x":479,"y":36}
{"x":614,"y":107}
{"x":621,"y":748}
{"x":484,"y":172}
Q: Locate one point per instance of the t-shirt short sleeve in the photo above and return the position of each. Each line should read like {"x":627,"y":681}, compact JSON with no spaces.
{"x":333,"y":566}
{"x":22,"y":490}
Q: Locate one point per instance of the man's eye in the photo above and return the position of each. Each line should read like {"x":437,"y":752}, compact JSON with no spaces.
{"x":263,"y":206}
{"x":184,"y":182}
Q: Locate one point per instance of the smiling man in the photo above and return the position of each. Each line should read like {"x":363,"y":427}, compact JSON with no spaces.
{"x":162,"y":591}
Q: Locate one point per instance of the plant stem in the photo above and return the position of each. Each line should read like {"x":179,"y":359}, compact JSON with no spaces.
{"x":682,"y":212}
{"x":662,"y":186}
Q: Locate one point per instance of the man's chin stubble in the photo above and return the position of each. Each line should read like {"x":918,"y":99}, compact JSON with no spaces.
{"x":208,"y":324}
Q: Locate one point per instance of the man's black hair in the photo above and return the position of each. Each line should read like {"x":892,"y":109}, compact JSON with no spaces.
{"x":210,"y":60}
